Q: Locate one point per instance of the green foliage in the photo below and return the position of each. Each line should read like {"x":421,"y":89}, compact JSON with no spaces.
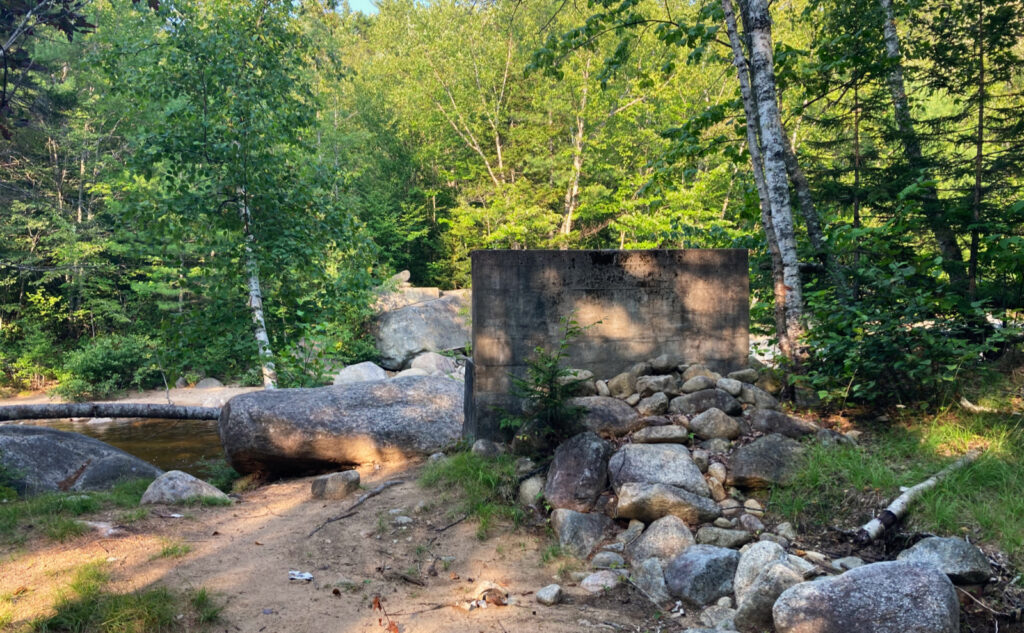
{"x":108,"y":364}
{"x":219,"y":473}
{"x":488,"y":487}
{"x":173,"y":549}
{"x":905,"y":337}
{"x":547,"y":418}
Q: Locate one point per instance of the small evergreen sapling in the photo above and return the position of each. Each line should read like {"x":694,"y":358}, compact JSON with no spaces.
{"x":547,"y":418}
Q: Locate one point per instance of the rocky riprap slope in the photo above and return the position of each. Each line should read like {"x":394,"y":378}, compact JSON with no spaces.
{"x":659,"y":491}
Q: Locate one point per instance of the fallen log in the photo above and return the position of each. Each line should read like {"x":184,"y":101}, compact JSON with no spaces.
{"x":106,"y":410}
{"x":898,"y":508}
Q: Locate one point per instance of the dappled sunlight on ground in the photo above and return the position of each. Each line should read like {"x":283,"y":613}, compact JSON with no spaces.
{"x":243,"y":554}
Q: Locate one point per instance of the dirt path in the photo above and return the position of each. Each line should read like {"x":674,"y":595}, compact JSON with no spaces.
{"x":243,"y":554}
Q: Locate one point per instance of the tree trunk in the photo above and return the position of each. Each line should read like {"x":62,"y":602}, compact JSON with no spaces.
{"x":572,"y":192}
{"x":773,"y":151}
{"x":979,"y":162}
{"x":106,"y":410}
{"x":754,"y":145}
{"x":811,"y":219}
{"x":256,"y":302}
{"x":952,"y":257}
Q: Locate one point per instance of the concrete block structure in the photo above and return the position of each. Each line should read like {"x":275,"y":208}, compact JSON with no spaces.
{"x":690,"y":304}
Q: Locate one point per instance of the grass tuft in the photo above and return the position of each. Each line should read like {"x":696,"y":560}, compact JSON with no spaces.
{"x":173,"y":549}
{"x":87,"y":607}
{"x":488,"y":486}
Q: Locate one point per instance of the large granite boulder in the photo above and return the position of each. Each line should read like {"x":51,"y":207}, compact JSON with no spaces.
{"x":431,"y":326}
{"x":663,"y":539}
{"x":963,"y":562}
{"x":649,"y":502}
{"x":700,"y":401}
{"x":702,"y":574}
{"x":45,"y":460}
{"x":579,"y":473}
{"x":890,"y":597}
{"x":578,"y":532}
{"x":657,"y":464}
{"x":305,"y":431}
{"x":767,"y":461}
{"x":770,"y":421}
{"x":360,"y":372}
{"x":608,"y":417}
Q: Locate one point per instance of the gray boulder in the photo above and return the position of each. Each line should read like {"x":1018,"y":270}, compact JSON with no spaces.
{"x":335,"y":485}
{"x":303,"y":431}
{"x":664,"y":434}
{"x":963,"y":562}
{"x":45,"y":460}
{"x":623,"y":385}
{"x":175,"y":487}
{"x":761,"y":399}
{"x":771,"y":421}
{"x":360,"y":372}
{"x":653,"y":405}
{"x":702,"y":574}
{"x":730,"y":386}
{"x":723,"y":537}
{"x":744,"y":375}
{"x":648,"y":502}
{"x":579,"y":473}
{"x":649,"y":577}
{"x":889,"y":597}
{"x":648,"y":385}
{"x":762,"y":574}
{"x":657,"y":464}
{"x":715,"y":424}
{"x":767,"y":461}
{"x":431,"y":326}
{"x":434,"y":363}
{"x":697,"y":383}
{"x":208,"y":383}
{"x":700,"y":401}
{"x":663,"y":539}
{"x":578,"y":533}
{"x":608,"y":417}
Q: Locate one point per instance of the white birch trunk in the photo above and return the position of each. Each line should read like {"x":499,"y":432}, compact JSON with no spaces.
{"x":256,"y":303}
{"x":773,"y":150}
{"x":754,"y":145}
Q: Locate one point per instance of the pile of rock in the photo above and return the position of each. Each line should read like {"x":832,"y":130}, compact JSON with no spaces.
{"x":693,"y":531}
{"x":411,"y":321}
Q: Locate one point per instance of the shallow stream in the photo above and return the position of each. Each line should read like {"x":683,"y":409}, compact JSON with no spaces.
{"x":167,"y":444}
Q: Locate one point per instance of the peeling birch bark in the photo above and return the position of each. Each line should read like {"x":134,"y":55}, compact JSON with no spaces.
{"x":256,"y":303}
{"x":898,"y":508}
{"x":773,"y":150}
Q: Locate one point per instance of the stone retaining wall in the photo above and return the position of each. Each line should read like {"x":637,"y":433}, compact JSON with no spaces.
{"x":689,"y":304}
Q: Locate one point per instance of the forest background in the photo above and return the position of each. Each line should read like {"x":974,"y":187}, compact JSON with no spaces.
{"x":179,"y":175}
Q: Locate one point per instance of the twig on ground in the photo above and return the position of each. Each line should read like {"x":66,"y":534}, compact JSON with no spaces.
{"x":453,"y":523}
{"x":362,"y":498}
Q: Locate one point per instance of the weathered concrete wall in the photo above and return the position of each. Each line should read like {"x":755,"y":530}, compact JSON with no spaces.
{"x":690,"y":304}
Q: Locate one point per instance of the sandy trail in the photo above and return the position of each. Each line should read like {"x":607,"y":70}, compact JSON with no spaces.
{"x":243,"y":554}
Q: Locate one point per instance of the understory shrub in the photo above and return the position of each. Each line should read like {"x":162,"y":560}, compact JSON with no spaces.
{"x":900,"y":334}
{"x":108,"y":364}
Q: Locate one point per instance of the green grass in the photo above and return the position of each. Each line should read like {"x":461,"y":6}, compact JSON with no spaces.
{"x":87,"y":607}
{"x":53,"y":514}
{"x":207,"y":502}
{"x":173,"y":549}
{"x":487,"y":487}
{"x":844,"y":485}
{"x":207,"y":610}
